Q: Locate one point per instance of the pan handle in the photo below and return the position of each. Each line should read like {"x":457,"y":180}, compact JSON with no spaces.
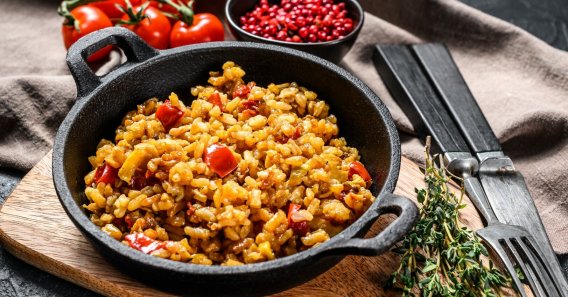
{"x":135,"y":49}
{"x":407,"y":213}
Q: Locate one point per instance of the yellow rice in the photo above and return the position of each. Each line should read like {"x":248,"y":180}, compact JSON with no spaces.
{"x":241,"y":218}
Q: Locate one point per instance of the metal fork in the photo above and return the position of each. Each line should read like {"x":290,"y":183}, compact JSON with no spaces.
{"x":412,"y":89}
{"x":513,"y":244}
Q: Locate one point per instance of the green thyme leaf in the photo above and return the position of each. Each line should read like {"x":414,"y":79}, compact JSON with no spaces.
{"x":429,"y":267}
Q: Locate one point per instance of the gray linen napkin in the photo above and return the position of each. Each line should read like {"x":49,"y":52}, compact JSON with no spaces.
{"x":519,"y":81}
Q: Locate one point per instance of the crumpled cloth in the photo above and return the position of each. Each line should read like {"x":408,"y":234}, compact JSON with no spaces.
{"x":520,"y":83}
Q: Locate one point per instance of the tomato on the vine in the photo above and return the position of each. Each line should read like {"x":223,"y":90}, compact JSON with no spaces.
{"x":205,"y":27}
{"x":88,"y":19}
{"x":111,"y":7}
{"x":154,"y":28}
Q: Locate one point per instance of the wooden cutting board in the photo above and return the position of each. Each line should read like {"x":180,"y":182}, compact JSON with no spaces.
{"x":35,"y":228}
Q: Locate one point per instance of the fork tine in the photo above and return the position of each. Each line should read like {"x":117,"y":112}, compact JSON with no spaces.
{"x":527,"y":270}
{"x":537,"y":264}
{"x":532,"y":246}
{"x":498,"y":249}
{"x":511,"y":269}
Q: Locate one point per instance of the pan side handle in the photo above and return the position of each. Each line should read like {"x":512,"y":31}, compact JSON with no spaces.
{"x":134,"y":48}
{"x":407,"y":213}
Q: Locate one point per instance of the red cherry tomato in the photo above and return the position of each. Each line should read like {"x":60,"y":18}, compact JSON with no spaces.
{"x":220,"y":159}
{"x":168,"y":115}
{"x":90,"y":19}
{"x":216,"y":100}
{"x":154,"y":29}
{"x":106,"y":174}
{"x":359,"y":169}
{"x":144,"y":243}
{"x":301,"y":227}
{"x":109,"y":7}
{"x":206,"y":27}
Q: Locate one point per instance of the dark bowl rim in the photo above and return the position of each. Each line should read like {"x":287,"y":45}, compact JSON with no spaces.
{"x":353,"y":34}
{"x":94,"y":233}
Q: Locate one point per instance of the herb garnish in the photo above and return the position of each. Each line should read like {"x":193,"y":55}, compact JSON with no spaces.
{"x":440,"y":257}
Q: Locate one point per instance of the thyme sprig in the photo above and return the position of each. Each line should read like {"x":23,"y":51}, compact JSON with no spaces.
{"x":440,"y":257}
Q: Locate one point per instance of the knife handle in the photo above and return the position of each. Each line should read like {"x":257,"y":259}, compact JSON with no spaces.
{"x":411,"y":89}
{"x":438,"y":64}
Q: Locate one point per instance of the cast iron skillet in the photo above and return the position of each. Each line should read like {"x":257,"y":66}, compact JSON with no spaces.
{"x":103,"y":101}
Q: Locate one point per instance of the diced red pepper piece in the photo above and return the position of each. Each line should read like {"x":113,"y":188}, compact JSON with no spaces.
{"x":220,"y":159}
{"x":241,"y":91}
{"x":216,"y":100}
{"x":251,"y":107}
{"x":297,"y":133}
{"x":250,"y":104}
{"x":129,"y":221}
{"x":118,"y":222}
{"x":139,"y":180}
{"x":359,"y":169}
{"x":169,"y":115}
{"x":300,"y":228}
{"x":144,"y":243}
{"x":284,"y":139}
{"x":291,"y":210}
{"x":190,"y":209}
{"x":106,"y":174}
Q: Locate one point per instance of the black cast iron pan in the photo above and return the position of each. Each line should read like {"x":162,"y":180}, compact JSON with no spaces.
{"x":102,"y":102}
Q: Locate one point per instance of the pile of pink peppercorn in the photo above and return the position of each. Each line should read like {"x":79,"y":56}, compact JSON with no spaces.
{"x":298,"y":20}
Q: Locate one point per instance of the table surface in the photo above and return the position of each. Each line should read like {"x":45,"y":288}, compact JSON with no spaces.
{"x":546,"y":19}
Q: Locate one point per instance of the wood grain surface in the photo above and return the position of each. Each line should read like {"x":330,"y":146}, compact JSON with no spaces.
{"x":35,"y":228}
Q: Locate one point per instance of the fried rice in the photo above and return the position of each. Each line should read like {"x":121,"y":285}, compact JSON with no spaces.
{"x":243,"y":174}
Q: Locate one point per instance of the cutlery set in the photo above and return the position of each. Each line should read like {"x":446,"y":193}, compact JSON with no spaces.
{"x":428,"y":86}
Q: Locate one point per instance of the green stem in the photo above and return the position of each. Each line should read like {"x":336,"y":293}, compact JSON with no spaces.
{"x":185,"y":10}
{"x":133,"y":17}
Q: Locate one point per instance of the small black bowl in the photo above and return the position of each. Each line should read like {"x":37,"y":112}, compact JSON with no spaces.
{"x":333,"y":50}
